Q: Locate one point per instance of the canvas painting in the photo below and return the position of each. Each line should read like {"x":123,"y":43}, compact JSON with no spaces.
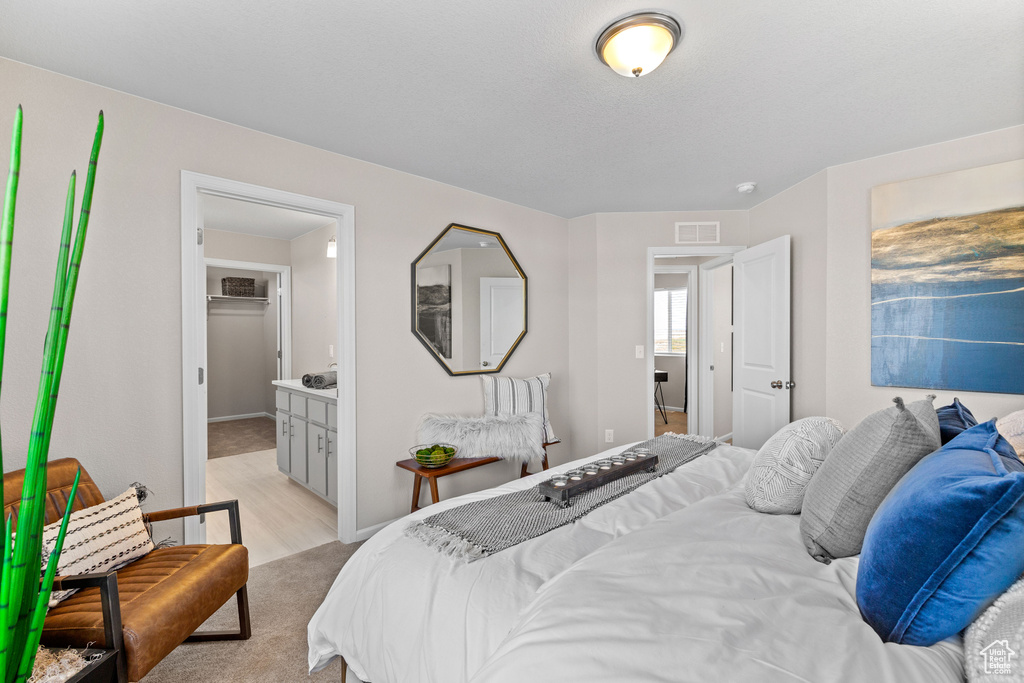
{"x":434,"y":307}
{"x":947,"y":281}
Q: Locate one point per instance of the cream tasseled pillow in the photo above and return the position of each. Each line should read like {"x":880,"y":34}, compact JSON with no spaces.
{"x":100,"y":538}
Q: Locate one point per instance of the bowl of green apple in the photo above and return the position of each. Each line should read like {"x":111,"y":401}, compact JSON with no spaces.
{"x":433,"y":455}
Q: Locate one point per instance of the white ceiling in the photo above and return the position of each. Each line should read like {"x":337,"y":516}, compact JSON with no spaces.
{"x":508,"y":98}
{"x":233,"y":215}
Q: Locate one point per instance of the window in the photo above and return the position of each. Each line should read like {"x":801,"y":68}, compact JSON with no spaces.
{"x":670,"y":321}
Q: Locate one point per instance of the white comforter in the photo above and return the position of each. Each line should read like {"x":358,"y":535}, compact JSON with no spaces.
{"x":678,"y":581}
{"x":401,"y":612}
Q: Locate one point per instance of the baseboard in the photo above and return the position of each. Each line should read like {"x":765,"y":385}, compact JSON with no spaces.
{"x":247,"y":416}
{"x":363,"y":534}
{"x":724,"y":437}
{"x":673,"y":409}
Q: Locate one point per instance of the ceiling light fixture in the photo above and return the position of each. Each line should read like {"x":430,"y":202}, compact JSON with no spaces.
{"x":746,"y":188}
{"x":332,"y":248}
{"x":638,"y":44}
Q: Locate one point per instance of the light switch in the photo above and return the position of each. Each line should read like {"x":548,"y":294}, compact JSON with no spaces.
{"x":723,"y":347}
{"x":330,"y":350}
{"x":639,"y":351}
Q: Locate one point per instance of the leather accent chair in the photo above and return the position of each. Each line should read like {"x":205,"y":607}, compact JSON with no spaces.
{"x":149,"y":607}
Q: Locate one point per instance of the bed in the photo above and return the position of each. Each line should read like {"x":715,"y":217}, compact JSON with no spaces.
{"x":677,"y":581}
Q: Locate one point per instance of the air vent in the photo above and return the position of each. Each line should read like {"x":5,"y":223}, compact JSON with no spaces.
{"x":697,"y":233}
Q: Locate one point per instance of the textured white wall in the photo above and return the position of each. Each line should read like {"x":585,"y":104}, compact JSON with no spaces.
{"x":722,"y":342}
{"x":620,"y":270}
{"x":120,"y":406}
{"x":802,"y":212}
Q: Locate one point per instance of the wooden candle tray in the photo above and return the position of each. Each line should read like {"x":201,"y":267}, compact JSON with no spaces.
{"x":562,"y":495}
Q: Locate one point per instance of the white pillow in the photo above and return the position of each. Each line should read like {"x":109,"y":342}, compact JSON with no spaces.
{"x":989,"y":641}
{"x":786,"y":462}
{"x":100,"y":538}
{"x":510,"y":396}
{"x":1012,"y":429}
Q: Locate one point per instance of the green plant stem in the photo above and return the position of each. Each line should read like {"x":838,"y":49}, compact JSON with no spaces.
{"x":5,"y":595}
{"x":28,"y":546}
{"x":6,"y":242}
{"x":28,"y":654}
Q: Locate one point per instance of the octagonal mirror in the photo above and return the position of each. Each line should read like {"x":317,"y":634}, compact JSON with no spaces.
{"x":468,"y":300}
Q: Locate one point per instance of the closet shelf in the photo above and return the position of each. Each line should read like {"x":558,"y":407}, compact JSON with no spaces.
{"x":215,"y":298}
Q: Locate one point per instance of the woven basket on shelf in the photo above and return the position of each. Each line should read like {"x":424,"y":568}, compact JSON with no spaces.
{"x":238,"y":286}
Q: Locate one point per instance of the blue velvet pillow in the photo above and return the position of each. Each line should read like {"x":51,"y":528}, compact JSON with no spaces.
{"x":946,"y":541}
{"x":954,"y":419}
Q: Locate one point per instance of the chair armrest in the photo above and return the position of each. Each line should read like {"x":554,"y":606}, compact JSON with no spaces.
{"x":63,"y":583}
{"x":176,"y":513}
{"x":110,"y":603}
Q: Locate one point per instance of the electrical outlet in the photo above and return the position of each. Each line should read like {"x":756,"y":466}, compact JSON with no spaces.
{"x":609,"y":436}
{"x":639,"y":351}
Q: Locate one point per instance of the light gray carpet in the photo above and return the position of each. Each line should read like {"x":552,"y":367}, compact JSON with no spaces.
{"x":283,"y":595}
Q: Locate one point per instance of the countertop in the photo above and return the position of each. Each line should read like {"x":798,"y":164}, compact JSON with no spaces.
{"x":296,"y":385}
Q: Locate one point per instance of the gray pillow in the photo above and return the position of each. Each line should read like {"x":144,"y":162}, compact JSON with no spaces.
{"x":786,"y":462}
{"x":863,"y":467}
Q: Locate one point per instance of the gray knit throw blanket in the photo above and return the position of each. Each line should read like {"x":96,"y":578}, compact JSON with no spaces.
{"x":484,"y":527}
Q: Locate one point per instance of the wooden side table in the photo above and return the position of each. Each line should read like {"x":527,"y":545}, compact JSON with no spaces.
{"x":431,"y":474}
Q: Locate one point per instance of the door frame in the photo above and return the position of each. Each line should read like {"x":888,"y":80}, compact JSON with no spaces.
{"x":284,"y":311}
{"x":193,"y":338}
{"x":692,"y":376}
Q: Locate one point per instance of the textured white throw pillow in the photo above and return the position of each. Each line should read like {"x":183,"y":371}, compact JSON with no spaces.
{"x":787,"y":461}
{"x":1012,"y":429}
{"x":994,"y":643}
{"x":100,"y":538}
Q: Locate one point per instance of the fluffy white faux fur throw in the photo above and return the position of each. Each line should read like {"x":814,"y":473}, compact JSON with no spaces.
{"x":519,"y":438}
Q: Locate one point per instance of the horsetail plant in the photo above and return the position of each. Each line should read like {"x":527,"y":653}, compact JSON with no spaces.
{"x":24,"y":594}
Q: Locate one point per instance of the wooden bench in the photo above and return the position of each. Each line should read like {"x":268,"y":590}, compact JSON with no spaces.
{"x":431,"y":474}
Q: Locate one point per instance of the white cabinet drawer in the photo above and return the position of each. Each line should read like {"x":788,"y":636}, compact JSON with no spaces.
{"x":298,"y":405}
{"x":282,"y":400}
{"x":316,"y":410}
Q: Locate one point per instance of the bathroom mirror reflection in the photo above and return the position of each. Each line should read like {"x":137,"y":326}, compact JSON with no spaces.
{"x":468,"y":300}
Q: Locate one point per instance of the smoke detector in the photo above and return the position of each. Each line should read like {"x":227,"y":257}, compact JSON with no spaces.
{"x":746,"y":188}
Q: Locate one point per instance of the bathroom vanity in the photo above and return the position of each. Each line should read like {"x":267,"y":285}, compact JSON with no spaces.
{"x":307,"y":437}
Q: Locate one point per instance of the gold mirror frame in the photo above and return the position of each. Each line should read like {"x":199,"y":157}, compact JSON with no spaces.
{"x":415,"y":326}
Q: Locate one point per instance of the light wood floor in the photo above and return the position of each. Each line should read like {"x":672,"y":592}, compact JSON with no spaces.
{"x":676,"y":422}
{"x":278,"y":516}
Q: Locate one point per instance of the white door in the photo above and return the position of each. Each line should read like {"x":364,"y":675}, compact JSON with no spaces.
{"x":761,"y":362}
{"x":501,"y":317}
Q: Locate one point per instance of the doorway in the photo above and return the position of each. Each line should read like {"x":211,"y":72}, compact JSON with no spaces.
{"x":197,"y":189}
{"x":760,"y":381}
{"x":677,"y":318}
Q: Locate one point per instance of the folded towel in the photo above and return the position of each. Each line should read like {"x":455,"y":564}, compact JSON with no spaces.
{"x":325,"y":380}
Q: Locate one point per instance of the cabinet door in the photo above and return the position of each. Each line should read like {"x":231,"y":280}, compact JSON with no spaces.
{"x":297,"y":433}
{"x":316,"y":449}
{"x":332,"y":467}
{"x":284,"y":462}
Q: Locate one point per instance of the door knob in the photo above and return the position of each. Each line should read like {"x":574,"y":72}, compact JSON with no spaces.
{"x":485,"y":364}
{"x":777,"y":384}
{"x":790,"y":385}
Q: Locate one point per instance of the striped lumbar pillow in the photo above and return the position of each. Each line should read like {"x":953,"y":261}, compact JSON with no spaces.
{"x":509,"y":396}
{"x":100,"y":538}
